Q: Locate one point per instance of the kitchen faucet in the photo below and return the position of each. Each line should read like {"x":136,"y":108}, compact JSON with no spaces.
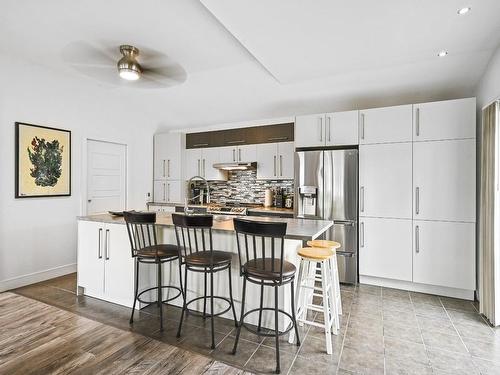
{"x":186,"y":209}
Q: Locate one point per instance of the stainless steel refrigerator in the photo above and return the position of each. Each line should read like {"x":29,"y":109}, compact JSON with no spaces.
{"x":326,"y":187}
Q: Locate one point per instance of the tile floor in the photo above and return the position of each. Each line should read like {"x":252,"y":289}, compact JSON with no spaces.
{"x":383,"y":331}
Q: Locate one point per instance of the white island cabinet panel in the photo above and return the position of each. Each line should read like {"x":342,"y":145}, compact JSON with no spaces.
{"x":443,"y":254}
{"x":385,"y":248}
{"x":450,"y":119}
{"x":119,"y":265}
{"x":91,"y":257}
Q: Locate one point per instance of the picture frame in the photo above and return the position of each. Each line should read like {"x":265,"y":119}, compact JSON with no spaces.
{"x":42,"y":161}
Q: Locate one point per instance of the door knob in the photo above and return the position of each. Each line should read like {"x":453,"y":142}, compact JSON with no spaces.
{"x":89,"y":200}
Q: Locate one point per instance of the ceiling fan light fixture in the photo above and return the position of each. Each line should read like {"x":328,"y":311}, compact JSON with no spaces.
{"x":128,"y":67}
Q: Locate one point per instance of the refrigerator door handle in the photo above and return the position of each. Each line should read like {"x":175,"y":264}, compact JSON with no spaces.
{"x":345,"y":254}
{"x":349,"y":223}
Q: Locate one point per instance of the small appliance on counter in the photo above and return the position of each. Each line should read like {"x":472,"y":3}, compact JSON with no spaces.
{"x":279,"y":198}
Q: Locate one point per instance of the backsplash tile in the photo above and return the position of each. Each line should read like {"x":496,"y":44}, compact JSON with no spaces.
{"x":243,"y":186}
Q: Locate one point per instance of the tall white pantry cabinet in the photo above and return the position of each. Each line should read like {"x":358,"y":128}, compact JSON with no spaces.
{"x":417,"y":197}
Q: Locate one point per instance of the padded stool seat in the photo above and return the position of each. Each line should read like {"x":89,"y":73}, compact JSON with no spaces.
{"x":158,"y":251}
{"x":208,"y":258}
{"x":268,"y":269}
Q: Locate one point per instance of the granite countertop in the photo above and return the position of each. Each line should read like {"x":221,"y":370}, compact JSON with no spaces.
{"x":297,"y":229}
{"x":251,"y":209}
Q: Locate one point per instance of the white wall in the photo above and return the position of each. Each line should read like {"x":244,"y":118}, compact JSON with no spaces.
{"x":488,"y":88}
{"x":38,"y":236}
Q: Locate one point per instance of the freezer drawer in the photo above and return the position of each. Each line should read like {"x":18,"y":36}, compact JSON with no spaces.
{"x":346,"y":233}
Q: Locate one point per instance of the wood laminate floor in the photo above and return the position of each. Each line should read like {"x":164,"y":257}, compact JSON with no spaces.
{"x":36,"y":338}
{"x":383,"y":331}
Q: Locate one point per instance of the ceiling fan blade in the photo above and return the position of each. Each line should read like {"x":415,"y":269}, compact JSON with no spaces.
{"x":172,"y":73}
{"x":84,"y":53}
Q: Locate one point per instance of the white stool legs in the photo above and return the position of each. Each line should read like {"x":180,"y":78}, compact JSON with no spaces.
{"x":329,"y":293}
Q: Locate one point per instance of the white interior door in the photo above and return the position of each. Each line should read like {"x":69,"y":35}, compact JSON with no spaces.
{"x":106,"y":176}
{"x":444,"y":178}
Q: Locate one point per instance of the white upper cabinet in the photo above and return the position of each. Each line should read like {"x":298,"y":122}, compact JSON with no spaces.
{"x":275,"y":161}
{"x":385,"y":180}
{"x":385,"y":125}
{"x":200,"y":161}
{"x":444,"y":178}
{"x":385,"y":248}
{"x":330,"y":129}
{"x":450,"y":119}
{"x":168,"y":156}
{"x":286,"y":160}
{"x":310,"y":131}
{"x":234,"y":154}
{"x":193,"y":163}
{"x":443,"y":254}
{"x":341,"y":128}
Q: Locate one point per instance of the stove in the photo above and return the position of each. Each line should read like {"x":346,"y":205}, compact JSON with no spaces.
{"x":227,"y":210}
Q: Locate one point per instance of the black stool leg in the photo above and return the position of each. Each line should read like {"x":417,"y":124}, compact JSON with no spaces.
{"x":212,"y":305}
{"x":242,"y":313}
{"x":136,"y":289}
{"x":276,"y":330}
{"x":293,"y":315}
{"x":261,"y":304}
{"x":184,"y":304}
{"x":231,"y":297}
{"x":205,"y":296}
{"x":160,"y":299}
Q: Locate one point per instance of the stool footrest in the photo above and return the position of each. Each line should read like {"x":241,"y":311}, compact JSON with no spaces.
{"x":197,"y":313}
{"x":179,"y":292}
{"x":259,"y":333}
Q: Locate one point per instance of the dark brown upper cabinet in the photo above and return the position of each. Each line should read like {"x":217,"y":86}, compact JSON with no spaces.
{"x":241,"y":136}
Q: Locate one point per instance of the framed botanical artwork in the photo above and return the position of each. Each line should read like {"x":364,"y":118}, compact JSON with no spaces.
{"x":43,"y":161}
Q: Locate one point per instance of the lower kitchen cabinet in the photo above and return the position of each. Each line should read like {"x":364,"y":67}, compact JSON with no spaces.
{"x":443,"y":254}
{"x":385,"y":248}
{"x":105,"y":264}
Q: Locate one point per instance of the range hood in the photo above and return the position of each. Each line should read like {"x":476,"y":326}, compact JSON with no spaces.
{"x":237,"y":166}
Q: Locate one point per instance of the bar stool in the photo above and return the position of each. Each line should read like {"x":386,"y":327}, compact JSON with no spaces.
{"x":311,"y":257}
{"x":264,"y":268}
{"x":145,"y":248}
{"x":333,"y":245}
{"x":194,"y":240}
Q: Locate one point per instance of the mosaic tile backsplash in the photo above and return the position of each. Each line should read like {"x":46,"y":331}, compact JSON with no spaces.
{"x":243,"y":186}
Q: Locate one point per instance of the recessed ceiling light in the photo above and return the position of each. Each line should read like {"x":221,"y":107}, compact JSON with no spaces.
{"x":463,"y":11}
{"x":442,"y":53}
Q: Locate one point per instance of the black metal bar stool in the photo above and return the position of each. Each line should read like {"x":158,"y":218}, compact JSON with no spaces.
{"x":146,"y":249}
{"x":265,"y":269}
{"x":194,"y":240}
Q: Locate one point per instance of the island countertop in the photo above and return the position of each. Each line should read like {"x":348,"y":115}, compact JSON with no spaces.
{"x":297,"y":229}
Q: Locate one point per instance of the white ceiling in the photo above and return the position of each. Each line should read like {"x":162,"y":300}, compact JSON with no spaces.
{"x":247,"y":60}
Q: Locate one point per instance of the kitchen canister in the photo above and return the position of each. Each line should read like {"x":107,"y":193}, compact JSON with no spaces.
{"x":268,"y":198}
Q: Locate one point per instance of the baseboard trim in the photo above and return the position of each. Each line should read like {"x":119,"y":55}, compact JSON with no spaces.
{"x":416,"y":287}
{"x":36,"y":277}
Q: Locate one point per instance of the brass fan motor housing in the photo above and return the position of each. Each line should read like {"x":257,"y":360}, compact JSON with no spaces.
{"x":128,"y":62}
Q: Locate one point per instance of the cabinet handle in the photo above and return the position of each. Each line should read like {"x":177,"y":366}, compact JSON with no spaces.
{"x":417,"y":239}
{"x":234,"y":154}
{"x":107,"y":244}
{"x":163,"y":169}
{"x":417,"y":200}
{"x":417,"y":121}
{"x":274,"y":165}
{"x":99,"y":252}
{"x":239,"y":154}
{"x":168,"y":192}
{"x":281,"y":165}
{"x":362,"y":244}
{"x":320,"y":129}
{"x":199,"y":168}
{"x":329,"y":129}
{"x":362,"y":199}
{"x":204,"y":170}
{"x":362,"y":126}
{"x":164,"y":192}
{"x":168,"y":168}
{"x":200,"y":144}
{"x":235,"y":142}
{"x":277,"y":139}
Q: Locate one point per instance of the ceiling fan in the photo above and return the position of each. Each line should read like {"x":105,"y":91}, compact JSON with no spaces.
{"x":146,"y":68}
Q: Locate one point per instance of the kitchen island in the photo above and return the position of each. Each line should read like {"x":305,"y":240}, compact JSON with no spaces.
{"x":106,"y":268}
